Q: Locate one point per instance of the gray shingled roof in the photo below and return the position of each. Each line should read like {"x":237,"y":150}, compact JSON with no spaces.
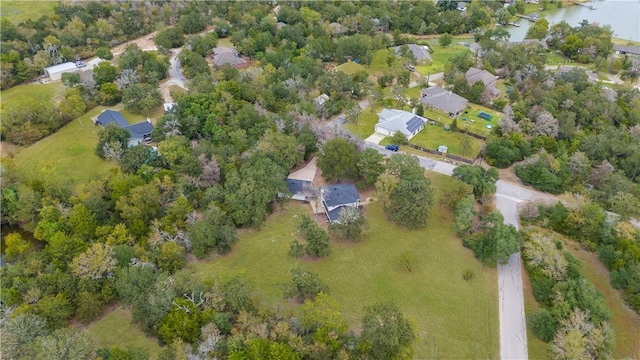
{"x":340,"y":194}
{"x":420,"y":52}
{"x":474,"y":75}
{"x":627,"y":49}
{"x":107,"y":117}
{"x":297,"y":186}
{"x":140,"y":129}
{"x":400,"y":120}
{"x":443,"y":99}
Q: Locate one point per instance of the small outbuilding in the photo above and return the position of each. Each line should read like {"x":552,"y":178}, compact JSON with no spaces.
{"x":55,"y":72}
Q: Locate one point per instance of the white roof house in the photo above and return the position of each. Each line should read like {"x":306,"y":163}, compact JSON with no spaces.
{"x":55,"y":72}
{"x":391,"y":121}
{"x":421,"y":53}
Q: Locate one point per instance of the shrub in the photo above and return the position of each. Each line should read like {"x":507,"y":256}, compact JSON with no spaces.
{"x":543,"y":325}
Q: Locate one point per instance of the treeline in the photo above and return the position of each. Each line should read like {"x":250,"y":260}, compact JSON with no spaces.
{"x":617,"y":242}
{"x":574,"y":318}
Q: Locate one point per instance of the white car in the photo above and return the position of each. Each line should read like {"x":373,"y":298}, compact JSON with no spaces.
{"x":80,"y":64}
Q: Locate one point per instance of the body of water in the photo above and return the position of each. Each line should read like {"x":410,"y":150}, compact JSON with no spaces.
{"x":622,"y":15}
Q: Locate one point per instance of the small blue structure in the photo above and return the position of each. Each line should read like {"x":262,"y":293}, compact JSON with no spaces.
{"x":485,"y":116}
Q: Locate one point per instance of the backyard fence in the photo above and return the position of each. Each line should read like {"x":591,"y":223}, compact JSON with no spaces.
{"x":446,"y":155}
{"x":472,"y":134}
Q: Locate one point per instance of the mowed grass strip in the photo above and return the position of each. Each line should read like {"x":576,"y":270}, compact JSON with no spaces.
{"x":43,"y":93}
{"x":116,"y":329}
{"x":454,"y":318}
{"x":20,"y":11}
{"x":349,"y":68}
{"x":68,"y":154}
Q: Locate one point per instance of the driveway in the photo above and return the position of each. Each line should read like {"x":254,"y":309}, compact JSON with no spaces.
{"x":175,"y":76}
{"x":375,"y":138}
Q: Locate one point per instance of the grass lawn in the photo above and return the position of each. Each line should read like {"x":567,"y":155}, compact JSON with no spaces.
{"x":19,"y":11}
{"x":455,"y":319}
{"x":474,"y":123}
{"x":367,"y":121}
{"x":349,"y":68}
{"x":554,"y":57}
{"x":379,"y":62}
{"x":116,"y":329}
{"x":68,"y":154}
{"x":441,"y":56}
{"x":433,"y":136}
{"x":39,"y":92}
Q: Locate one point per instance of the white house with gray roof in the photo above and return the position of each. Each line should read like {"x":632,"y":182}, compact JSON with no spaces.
{"x":391,"y":121}
{"x":443,"y":100}
{"x":421,"y":53}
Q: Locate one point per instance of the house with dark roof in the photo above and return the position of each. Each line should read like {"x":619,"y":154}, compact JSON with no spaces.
{"x":443,"y":100}
{"x":421,"y":53}
{"x":391,"y":121}
{"x":139,"y":132}
{"x":336,"y":197}
{"x":489,"y":80}
{"x":299,"y":189}
{"x":227,"y":56}
{"x":626,"y":50}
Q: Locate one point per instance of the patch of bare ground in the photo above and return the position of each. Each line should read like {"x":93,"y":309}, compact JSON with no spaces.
{"x":9,"y":150}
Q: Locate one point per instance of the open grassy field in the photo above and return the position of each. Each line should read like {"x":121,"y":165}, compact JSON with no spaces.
{"x":433,"y":136}
{"x":441,"y":56}
{"x":455,"y":319}
{"x":20,"y":11}
{"x":116,"y":329}
{"x":349,"y":68}
{"x":40,"y":92}
{"x":68,"y":154}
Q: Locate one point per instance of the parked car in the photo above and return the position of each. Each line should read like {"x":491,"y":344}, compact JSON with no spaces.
{"x":80,"y":64}
{"x":411,"y":68}
{"x":392,"y":147}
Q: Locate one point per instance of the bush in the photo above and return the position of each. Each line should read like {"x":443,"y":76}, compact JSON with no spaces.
{"x":543,"y":325}
{"x":104,"y":53}
{"x":468,"y":274}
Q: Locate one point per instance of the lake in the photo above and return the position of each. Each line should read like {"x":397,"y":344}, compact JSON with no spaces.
{"x":623,"y":16}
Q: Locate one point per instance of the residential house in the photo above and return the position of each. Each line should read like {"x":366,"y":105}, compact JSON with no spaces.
{"x":476,"y":49}
{"x":443,"y":100}
{"x":421,"y":53}
{"x":489,"y":80}
{"x":626,"y":50}
{"x":227,"y":56}
{"x":592,"y":76}
{"x":542,"y":43}
{"x":336,"y":197}
{"x":392,"y":121}
{"x":139,"y":132}
{"x":299,"y":189}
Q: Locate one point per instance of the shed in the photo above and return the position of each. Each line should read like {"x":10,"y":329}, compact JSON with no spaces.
{"x":55,"y":72}
{"x":443,"y":148}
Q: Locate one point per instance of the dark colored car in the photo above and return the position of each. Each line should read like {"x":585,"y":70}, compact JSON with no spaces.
{"x":392,"y":147}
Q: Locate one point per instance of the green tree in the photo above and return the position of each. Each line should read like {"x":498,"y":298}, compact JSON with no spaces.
{"x":351,"y":225}
{"x":104,"y":73}
{"x":56,"y":310}
{"x":304,"y":284}
{"x":19,"y":332}
{"x":281,"y":148}
{"x":169,"y":38}
{"x":370,"y":166}
{"x":386,"y":185}
{"x":17,"y":247}
{"x":338,"y":160}
{"x":495,"y":241}
{"x":72,"y":106}
{"x":61,"y":249}
{"x":321,"y":318}
{"x":104,"y":53}
{"x":386,"y":333}
{"x":482,"y":180}
{"x":183,"y":321}
{"x":112,"y":134}
{"x":171,"y":257}
{"x":96,"y":263}
{"x":399,"y":138}
{"x":318,"y":244}
{"x":109,"y":94}
{"x":90,"y":306}
{"x":539,"y":30}
{"x":141,"y":99}
{"x":463,"y":216}
{"x":411,"y":201}
{"x":445,"y":40}
{"x":214,"y":232}
{"x":62,"y":344}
